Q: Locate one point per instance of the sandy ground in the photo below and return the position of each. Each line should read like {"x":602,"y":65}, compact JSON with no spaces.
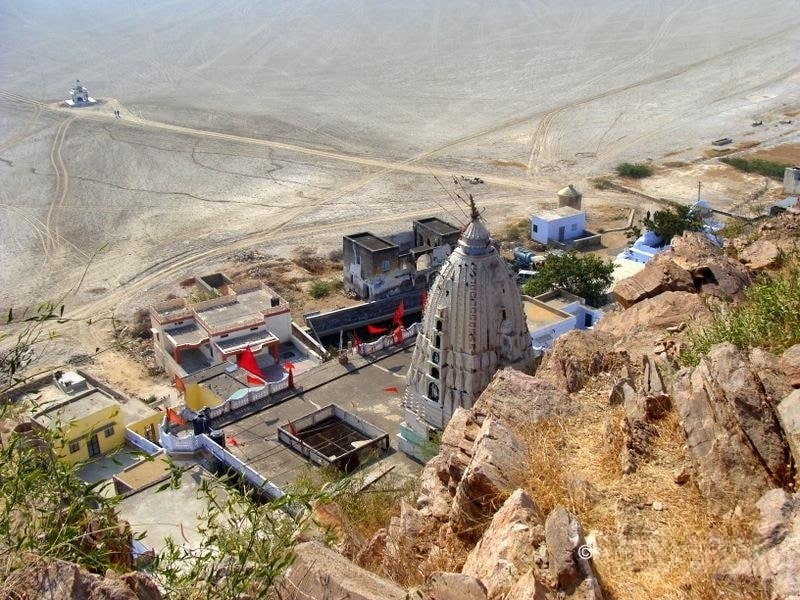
{"x":248,"y":125}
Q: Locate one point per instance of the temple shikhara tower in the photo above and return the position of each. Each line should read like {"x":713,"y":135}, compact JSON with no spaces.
{"x":474,"y":324}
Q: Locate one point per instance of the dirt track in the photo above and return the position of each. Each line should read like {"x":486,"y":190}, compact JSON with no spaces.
{"x":244,"y":128}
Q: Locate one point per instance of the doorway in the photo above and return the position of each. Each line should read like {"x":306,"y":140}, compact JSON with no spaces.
{"x":93,"y":446}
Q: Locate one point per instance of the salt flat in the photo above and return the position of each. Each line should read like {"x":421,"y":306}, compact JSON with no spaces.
{"x":288,"y":122}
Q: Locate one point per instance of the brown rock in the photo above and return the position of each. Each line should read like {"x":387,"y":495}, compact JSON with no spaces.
{"x":623,"y":391}
{"x":789,"y":363}
{"x":509,"y":545}
{"x":776,"y":559}
{"x":571,"y":572}
{"x":659,"y":275}
{"x":789,"y":419}
{"x":577,"y":356}
{"x":732,"y":432}
{"x":760,"y":255}
{"x":516,"y":398}
{"x":713,"y":272}
{"x":528,"y":588}
{"x":494,"y":471}
{"x":319,"y":572}
{"x":450,"y":586}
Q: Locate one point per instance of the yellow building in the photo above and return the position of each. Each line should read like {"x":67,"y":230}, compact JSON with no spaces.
{"x":85,"y":424}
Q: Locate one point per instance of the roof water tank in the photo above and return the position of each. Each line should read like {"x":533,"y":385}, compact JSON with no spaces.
{"x":569,"y":196}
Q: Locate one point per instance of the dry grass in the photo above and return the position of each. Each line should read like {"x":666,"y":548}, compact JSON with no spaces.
{"x":643,"y":553}
{"x":510,"y":163}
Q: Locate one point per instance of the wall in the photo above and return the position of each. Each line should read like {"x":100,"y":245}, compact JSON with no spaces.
{"x":198,"y":397}
{"x":81,"y":430}
{"x":791,"y":180}
{"x":140,"y":427}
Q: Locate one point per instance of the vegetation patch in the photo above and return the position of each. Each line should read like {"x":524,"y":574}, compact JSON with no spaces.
{"x":769,"y":317}
{"x":767,"y":168}
{"x":634,"y":170}
{"x":672,"y":222}
{"x":587,"y":276}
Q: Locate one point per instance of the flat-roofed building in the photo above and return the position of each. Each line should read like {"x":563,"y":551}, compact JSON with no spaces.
{"x":554,"y":313}
{"x":85,"y":422}
{"x":558,"y":225}
{"x":192,"y":336}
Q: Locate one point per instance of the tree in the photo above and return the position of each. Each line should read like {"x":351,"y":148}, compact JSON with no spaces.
{"x":673,"y":221}
{"x":586,"y":275}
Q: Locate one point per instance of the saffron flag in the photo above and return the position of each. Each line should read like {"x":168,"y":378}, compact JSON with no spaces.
{"x":391,"y":389}
{"x":247,"y":361}
{"x":375,"y":330}
{"x":397,"y":320}
{"x":174,"y":418}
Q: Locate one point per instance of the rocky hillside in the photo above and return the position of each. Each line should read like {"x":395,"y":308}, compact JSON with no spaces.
{"x":617,"y":471}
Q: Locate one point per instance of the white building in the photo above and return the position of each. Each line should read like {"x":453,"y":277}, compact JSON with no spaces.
{"x":552,"y":314}
{"x":188,"y":337}
{"x":474,"y":324}
{"x":79,"y":96}
{"x":791,"y":180}
{"x":558,"y":224}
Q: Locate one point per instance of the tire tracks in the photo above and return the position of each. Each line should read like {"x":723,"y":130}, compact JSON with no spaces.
{"x":62,"y":183}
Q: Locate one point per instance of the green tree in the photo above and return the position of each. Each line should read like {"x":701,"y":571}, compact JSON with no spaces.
{"x":585,"y":275}
{"x":673,"y":221}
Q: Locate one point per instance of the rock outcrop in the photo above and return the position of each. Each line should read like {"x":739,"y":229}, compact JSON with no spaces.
{"x":569,"y":565}
{"x":778,"y":554}
{"x":509,"y":547}
{"x":693,"y":264}
{"x":319,"y":572}
{"x":450,"y":586}
{"x":52,"y":578}
{"x":732,"y":432}
{"x":578,"y":355}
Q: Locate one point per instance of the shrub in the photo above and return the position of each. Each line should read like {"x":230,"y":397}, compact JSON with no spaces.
{"x":769,"y":317}
{"x":319,"y":288}
{"x":767,"y":168}
{"x":587,"y":276}
{"x":634,"y":170}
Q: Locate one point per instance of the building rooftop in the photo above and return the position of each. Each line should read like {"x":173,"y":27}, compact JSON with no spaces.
{"x":223,"y":379}
{"x":370,"y":241}
{"x":439,"y":226}
{"x":539,"y":314}
{"x":73,"y":408}
{"x":242,"y":342}
{"x":561,"y":212}
{"x":187,"y":335}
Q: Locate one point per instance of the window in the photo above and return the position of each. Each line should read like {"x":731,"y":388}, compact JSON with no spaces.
{"x":74,"y":447}
{"x":535,"y":228}
{"x":384,"y":265}
{"x":433,"y":391}
{"x":108,"y":431}
{"x":574,"y":226}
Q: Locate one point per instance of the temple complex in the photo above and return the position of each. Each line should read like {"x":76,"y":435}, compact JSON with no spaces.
{"x":474,"y":324}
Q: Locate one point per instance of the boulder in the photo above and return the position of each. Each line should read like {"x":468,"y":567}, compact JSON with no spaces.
{"x":778,"y":554}
{"x":789,"y":363}
{"x":319,"y":572}
{"x":578,"y":355}
{"x":450,"y":586}
{"x":660,"y":275}
{"x":496,"y":469}
{"x":508,"y":547}
{"x":789,"y":419}
{"x":638,"y":326}
{"x":732,"y":432}
{"x":760,"y":255}
{"x":570,"y":566}
{"x":712,"y":271}
{"x":623,"y":391}
{"x":53,"y":578}
{"x":528,"y":588}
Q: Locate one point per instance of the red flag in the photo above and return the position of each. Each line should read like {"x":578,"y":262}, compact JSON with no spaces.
{"x":391,"y":389}
{"x":375,"y":330}
{"x":233,"y":441}
{"x":289,"y":366}
{"x":174,"y":418}
{"x":398,"y":335}
{"x":424,"y":299}
{"x":398,"y":314}
{"x":247,"y":361}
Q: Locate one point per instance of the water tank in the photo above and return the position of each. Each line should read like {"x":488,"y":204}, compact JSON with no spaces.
{"x":202,"y":424}
{"x":217,"y":436}
{"x":569,"y":196}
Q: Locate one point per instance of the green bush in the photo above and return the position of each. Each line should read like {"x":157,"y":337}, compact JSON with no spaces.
{"x":319,"y":288}
{"x":634,"y":170}
{"x":588,"y":276}
{"x":769,"y":317}
{"x":767,"y":168}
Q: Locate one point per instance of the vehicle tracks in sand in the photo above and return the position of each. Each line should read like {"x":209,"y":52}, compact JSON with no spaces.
{"x":62,"y":184}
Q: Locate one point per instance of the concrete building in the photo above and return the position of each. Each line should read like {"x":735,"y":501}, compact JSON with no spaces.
{"x":644,"y":248}
{"x":375,"y":267}
{"x":552,"y":314}
{"x":86,"y":422}
{"x":189,"y":337}
{"x":558,"y":225}
{"x":474,"y":324}
{"x":791,"y":180}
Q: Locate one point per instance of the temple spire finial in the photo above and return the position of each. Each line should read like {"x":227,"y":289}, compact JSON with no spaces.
{"x":474,"y":215}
